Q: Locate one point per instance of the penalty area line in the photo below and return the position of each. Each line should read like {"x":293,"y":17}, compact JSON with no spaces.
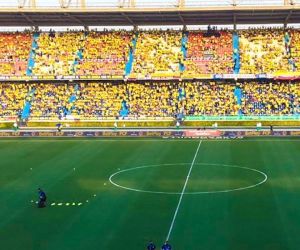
{"x":182,"y":192}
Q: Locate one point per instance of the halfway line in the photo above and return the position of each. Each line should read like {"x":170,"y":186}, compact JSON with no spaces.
{"x":183,"y":190}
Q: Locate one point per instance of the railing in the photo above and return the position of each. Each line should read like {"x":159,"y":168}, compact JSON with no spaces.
{"x":294,"y":117}
{"x":244,"y":117}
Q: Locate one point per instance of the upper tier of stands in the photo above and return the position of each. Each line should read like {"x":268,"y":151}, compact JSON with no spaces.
{"x":152,"y":53}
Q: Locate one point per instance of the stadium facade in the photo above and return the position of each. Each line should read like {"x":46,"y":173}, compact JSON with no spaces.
{"x":234,"y":77}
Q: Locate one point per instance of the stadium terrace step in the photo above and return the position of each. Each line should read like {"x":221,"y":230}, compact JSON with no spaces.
{"x":72,"y":100}
{"x":124,"y":110}
{"x":31,"y":60}
{"x":184,"y":46}
{"x":27,"y":107}
{"x":236,"y":53}
{"x":128,"y":66}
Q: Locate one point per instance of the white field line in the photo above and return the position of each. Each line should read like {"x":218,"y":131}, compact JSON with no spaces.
{"x":182,"y":192}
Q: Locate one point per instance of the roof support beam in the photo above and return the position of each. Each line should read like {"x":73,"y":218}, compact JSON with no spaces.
{"x":287,"y":18}
{"x":74,"y":19}
{"x":127,"y":18}
{"x":181,"y":19}
{"x":234,"y":21}
{"x":28,"y":19}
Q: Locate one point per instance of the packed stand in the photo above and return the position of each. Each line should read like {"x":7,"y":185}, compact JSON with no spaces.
{"x":295,"y":50}
{"x":209,"y":53}
{"x":158,"y":53}
{"x":209,"y":98}
{"x":105,"y":53}
{"x":12,"y":99}
{"x":51,"y":101}
{"x":14,"y":53}
{"x":149,"y":99}
{"x":57,"y":53}
{"x":263,"y":51}
{"x":98,"y":100}
{"x":152,"y":99}
{"x":270,"y":98}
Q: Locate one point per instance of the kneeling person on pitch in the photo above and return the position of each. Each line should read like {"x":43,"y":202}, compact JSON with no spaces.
{"x":42,"y":198}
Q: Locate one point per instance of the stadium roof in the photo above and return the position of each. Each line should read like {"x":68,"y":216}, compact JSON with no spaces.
{"x":147,"y":12}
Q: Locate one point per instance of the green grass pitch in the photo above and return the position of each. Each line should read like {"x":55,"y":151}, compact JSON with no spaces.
{"x":240,"y":194}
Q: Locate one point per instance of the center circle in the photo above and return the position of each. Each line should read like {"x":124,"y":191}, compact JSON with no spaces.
{"x":208,"y":179}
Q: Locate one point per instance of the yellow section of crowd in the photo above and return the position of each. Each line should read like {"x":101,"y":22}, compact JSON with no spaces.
{"x":57,"y":52}
{"x":209,"y":98}
{"x":263,"y":51}
{"x":12,"y":98}
{"x":295,"y":48}
{"x":105,"y":53}
{"x":158,"y":53}
{"x":149,"y":99}
{"x":271,"y":99}
{"x":50,"y":100}
{"x":99,"y":100}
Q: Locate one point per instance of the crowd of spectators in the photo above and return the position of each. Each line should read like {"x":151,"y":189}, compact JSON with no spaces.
{"x":105,"y":53}
{"x":270,"y":98}
{"x":295,"y":49}
{"x":98,"y":100}
{"x":263,"y":51}
{"x":51,"y":101}
{"x":158,"y":53}
{"x":209,"y":98}
{"x":14,"y":53}
{"x":12,"y":98}
{"x":57,"y":52}
{"x":209,"y":53}
{"x":150,"y":99}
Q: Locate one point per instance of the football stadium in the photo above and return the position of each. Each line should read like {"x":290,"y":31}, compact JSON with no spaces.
{"x":149,"y":124}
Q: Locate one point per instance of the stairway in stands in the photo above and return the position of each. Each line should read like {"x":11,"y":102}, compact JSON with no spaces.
{"x":79,"y":55}
{"x":184,"y":41}
{"x":31,"y":60}
{"x":238,"y":93}
{"x":27,"y":106}
{"x":72,"y":100}
{"x":124,"y":109}
{"x":128,"y":66}
{"x":236,"y":53}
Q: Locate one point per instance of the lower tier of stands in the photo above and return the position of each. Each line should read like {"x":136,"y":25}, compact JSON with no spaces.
{"x":133,"y":100}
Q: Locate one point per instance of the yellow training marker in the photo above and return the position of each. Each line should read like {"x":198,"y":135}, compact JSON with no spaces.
{"x":53,"y":204}
{"x":67,"y":204}
{"x":59,"y":204}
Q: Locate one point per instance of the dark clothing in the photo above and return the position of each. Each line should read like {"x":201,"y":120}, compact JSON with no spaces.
{"x":166,"y":246}
{"x":42,"y":199}
{"x":151,"y":246}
